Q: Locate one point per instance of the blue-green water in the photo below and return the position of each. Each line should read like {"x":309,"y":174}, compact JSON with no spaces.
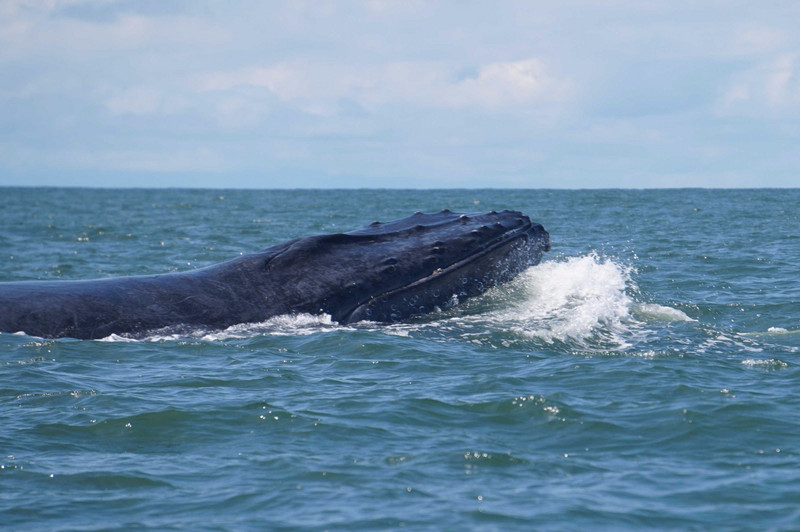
{"x":645,"y":376}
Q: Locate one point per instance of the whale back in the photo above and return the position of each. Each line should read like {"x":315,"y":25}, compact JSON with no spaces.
{"x":382,"y":272}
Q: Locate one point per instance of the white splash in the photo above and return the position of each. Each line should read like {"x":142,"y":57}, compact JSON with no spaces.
{"x":771,"y":363}
{"x":584,"y":299}
{"x":571,"y":299}
{"x":117,"y":338}
{"x":656,"y":312}
{"x":284,"y":325}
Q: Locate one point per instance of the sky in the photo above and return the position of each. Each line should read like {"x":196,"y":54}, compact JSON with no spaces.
{"x":400,"y":94}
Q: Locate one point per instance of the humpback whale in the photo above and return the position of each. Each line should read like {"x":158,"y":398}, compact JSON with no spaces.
{"x":384,"y":272}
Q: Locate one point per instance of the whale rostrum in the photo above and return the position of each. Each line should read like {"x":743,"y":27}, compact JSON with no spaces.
{"x":384,"y":272}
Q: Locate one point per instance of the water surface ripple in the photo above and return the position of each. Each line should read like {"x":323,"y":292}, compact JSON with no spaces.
{"x":644,"y":376}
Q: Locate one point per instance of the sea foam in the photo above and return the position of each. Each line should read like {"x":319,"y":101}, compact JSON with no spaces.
{"x":580,"y":299}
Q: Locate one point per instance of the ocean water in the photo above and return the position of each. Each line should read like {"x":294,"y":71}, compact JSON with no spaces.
{"x":644,"y":376}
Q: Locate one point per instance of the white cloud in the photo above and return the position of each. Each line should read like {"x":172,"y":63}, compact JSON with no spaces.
{"x":772,"y":86}
{"x":287,"y":82}
{"x":411,"y":87}
{"x":500,"y":85}
{"x":147,"y":100}
{"x":782,"y":84}
{"x":510,"y":84}
{"x":32,"y":33}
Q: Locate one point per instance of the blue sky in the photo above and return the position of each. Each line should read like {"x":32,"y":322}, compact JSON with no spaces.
{"x":383,"y":93}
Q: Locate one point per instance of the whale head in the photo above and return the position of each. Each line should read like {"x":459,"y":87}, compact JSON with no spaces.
{"x":392,"y":271}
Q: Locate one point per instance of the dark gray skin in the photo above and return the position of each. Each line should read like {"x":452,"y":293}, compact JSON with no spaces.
{"x":384,"y":272}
